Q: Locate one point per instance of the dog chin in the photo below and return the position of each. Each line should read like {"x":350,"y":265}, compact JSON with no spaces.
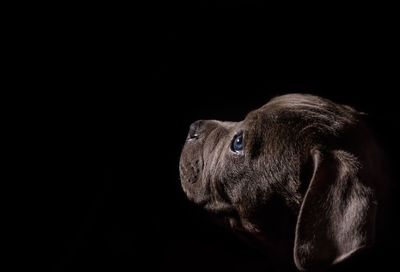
{"x":219,"y":208}
{"x":229,"y":217}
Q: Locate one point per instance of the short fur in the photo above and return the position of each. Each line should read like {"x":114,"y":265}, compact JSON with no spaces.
{"x":308,"y":180}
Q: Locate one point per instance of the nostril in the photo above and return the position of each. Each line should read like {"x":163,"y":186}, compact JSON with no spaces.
{"x":195,"y":129}
{"x":193,"y":135}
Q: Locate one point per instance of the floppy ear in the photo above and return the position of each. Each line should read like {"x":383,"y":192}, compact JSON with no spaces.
{"x":337,"y":216}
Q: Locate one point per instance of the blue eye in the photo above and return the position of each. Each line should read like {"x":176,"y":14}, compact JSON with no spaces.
{"x":237,"y":143}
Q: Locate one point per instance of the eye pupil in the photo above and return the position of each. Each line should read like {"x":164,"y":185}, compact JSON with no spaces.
{"x":237,"y":144}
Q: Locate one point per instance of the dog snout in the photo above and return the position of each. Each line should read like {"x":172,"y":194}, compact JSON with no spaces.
{"x":195,"y":130}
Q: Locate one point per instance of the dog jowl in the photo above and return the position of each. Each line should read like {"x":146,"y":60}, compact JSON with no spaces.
{"x":293,"y":173}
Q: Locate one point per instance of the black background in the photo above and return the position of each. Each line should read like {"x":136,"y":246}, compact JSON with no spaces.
{"x":118,"y":111}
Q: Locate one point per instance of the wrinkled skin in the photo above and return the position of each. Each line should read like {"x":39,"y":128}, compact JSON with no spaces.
{"x":304,"y":185}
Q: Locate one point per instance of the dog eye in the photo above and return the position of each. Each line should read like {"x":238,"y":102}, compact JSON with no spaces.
{"x":237,"y":143}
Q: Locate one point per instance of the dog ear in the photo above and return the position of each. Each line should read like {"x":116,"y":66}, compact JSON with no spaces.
{"x":337,"y":216}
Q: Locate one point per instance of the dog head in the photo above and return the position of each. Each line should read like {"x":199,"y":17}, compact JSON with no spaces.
{"x":300,"y":169}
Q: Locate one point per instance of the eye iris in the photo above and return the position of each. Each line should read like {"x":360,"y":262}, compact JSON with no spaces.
{"x":238,"y":143}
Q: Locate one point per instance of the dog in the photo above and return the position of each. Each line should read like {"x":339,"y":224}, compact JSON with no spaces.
{"x":300,"y":177}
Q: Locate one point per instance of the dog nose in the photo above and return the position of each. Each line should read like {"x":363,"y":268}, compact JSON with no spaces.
{"x":194,"y":130}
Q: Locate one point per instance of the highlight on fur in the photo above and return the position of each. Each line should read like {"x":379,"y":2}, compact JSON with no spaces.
{"x":303,"y":158}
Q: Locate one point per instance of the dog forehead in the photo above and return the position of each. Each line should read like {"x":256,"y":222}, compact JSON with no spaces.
{"x":304,"y":107}
{"x":297,"y":101}
{"x":286,"y":117}
{"x":287,"y":102}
